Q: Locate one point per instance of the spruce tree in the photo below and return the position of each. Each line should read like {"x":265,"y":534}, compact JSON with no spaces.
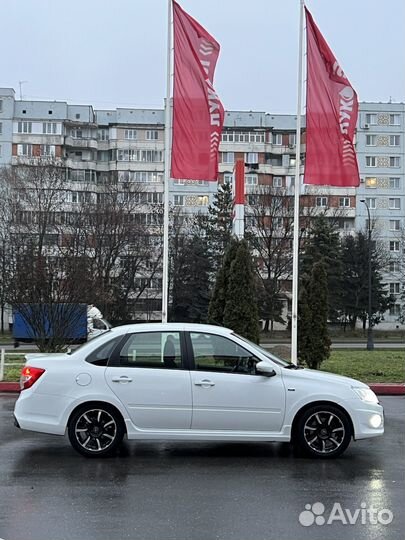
{"x":313,"y":336}
{"x":324,"y":243}
{"x":241,"y":312}
{"x":219,"y":294}
{"x":218,"y":224}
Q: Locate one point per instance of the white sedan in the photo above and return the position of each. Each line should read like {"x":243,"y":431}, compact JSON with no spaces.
{"x":190,"y":382}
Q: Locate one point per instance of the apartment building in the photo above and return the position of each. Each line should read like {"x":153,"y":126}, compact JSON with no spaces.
{"x":129,"y":143}
{"x":381,"y":155}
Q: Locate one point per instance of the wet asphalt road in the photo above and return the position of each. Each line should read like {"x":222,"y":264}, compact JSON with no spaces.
{"x":195,"y":491}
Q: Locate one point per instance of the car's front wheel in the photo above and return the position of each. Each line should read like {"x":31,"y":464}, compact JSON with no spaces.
{"x":323,"y":431}
{"x":96,"y":430}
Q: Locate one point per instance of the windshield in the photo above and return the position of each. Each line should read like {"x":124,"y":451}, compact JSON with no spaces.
{"x":272,"y":357}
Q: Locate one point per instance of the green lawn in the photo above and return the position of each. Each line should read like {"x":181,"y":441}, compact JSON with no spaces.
{"x":380,"y":365}
{"x":12,"y":372}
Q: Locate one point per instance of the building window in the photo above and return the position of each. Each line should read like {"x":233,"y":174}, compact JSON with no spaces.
{"x":200,"y":200}
{"x":371,"y":182}
{"x":371,"y":118}
{"x":395,"y":140}
{"x":371,"y":161}
{"x":228,"y":157}
{"x":394,"y":266}
{"x":292,"y":139}
{"x":76,"y":133}
{"x":344,"y":202}
{"x":103,"y":135}
{"x":251,"y":157}
{"x":394,"y":183}
{"x":140,"y":176}
{"x":371,"y":201}
{"x":81,"y":196}
{"x":24,"y":150}
{"x":278,"y":222}
{"x":395,"y":310}
{"x":154,"y":198}
{"x":321,"y":202}
{"x":277,"y":139}
{"x":178,"y":200}
{"x":152,"y":135}
{"x":130,"y":133}
{"x":394,"y":203}
{"x":24,"y":127}
{"x":277,"y":181}
{"x":251,"y":180}
{"x":81,"y":175}
{"x":395,"y":288}
{"x":140,"y":155}
{"x":1,"y":105}
{"x":371,"y":140}
{"x":394,"y":161}
{"x":0,"y":150}
{"x":1,"y":128}
{"x":394,"y":246}
{"x":47,"y":150}
{"x":228,"y":178}
{"x":395,"y":119}
{"x":395,"y":225}
{"x":49,"y":128}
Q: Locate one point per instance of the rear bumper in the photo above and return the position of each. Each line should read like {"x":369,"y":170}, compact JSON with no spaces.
{"x":40,"y":412}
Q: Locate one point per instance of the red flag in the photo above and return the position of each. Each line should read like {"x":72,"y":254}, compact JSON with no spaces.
{"x":198,"y":114}
{"x":332,"y":109}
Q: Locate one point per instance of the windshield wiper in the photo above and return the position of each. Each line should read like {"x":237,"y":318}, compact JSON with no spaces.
{"x":293,"y":366}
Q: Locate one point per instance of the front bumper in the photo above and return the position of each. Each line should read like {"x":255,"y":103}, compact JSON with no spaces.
{"x":367,"y":418}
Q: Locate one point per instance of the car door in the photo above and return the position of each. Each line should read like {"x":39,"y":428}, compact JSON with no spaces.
{"x":227,"y":392}
{"x":147,"y":375}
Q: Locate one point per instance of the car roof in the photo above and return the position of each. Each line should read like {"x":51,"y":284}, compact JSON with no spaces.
{"x":171,"y":327}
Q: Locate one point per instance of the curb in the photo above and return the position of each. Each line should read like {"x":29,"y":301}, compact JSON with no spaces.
{"x":388,"y":389}
{"x":10,"y":387}
{"x":381,"y":389}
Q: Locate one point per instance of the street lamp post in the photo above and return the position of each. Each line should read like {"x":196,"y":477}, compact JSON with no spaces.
{"x":370,"y":340}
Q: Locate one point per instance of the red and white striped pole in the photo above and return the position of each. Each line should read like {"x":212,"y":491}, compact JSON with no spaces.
{"x":239,"y":200}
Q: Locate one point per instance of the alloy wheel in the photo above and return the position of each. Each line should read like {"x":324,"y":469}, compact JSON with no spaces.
{"x":95,"y":430}
{"x":324,"y":432}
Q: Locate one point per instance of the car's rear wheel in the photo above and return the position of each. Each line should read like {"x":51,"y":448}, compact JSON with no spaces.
{"x":323,"y":431}
{"x":96,"y":430}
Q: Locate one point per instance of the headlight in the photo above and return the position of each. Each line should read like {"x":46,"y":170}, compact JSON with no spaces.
{"x":366,"y":394}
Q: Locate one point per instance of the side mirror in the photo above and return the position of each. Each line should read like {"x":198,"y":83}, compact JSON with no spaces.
{"x":263,"y":368}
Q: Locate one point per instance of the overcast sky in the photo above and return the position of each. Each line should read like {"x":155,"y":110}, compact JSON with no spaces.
{"x":110,"y":53}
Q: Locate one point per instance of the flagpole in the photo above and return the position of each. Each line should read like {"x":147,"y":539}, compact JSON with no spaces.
{"x":297,"y":189}
{"x":168,"y":128}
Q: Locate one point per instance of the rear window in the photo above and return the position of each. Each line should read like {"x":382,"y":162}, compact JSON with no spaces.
{"x":100,"y":356}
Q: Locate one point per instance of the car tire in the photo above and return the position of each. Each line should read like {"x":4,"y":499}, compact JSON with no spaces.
{"x":323,"y":431}
{"x":96,"y":430}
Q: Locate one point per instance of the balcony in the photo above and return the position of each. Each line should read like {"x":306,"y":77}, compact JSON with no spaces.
{"x":91,"y":144}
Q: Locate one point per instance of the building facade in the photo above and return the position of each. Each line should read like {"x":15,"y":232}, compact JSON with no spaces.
{"x":129,"y":143}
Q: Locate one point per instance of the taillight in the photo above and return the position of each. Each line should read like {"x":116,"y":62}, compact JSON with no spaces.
{"x":29,"y":376}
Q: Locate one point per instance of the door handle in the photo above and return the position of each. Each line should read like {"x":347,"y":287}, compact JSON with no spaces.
{"x":204,"y":382}
{"x":123,"y":379}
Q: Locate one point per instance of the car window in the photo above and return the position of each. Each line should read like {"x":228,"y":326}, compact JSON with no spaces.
{"x":152,"y":350}
{"x":100,"y":356}
{"x":217,"y":353}
{"x":266,"y":353}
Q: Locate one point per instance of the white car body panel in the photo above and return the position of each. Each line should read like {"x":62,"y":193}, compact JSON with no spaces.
{"x":167,"y":404}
